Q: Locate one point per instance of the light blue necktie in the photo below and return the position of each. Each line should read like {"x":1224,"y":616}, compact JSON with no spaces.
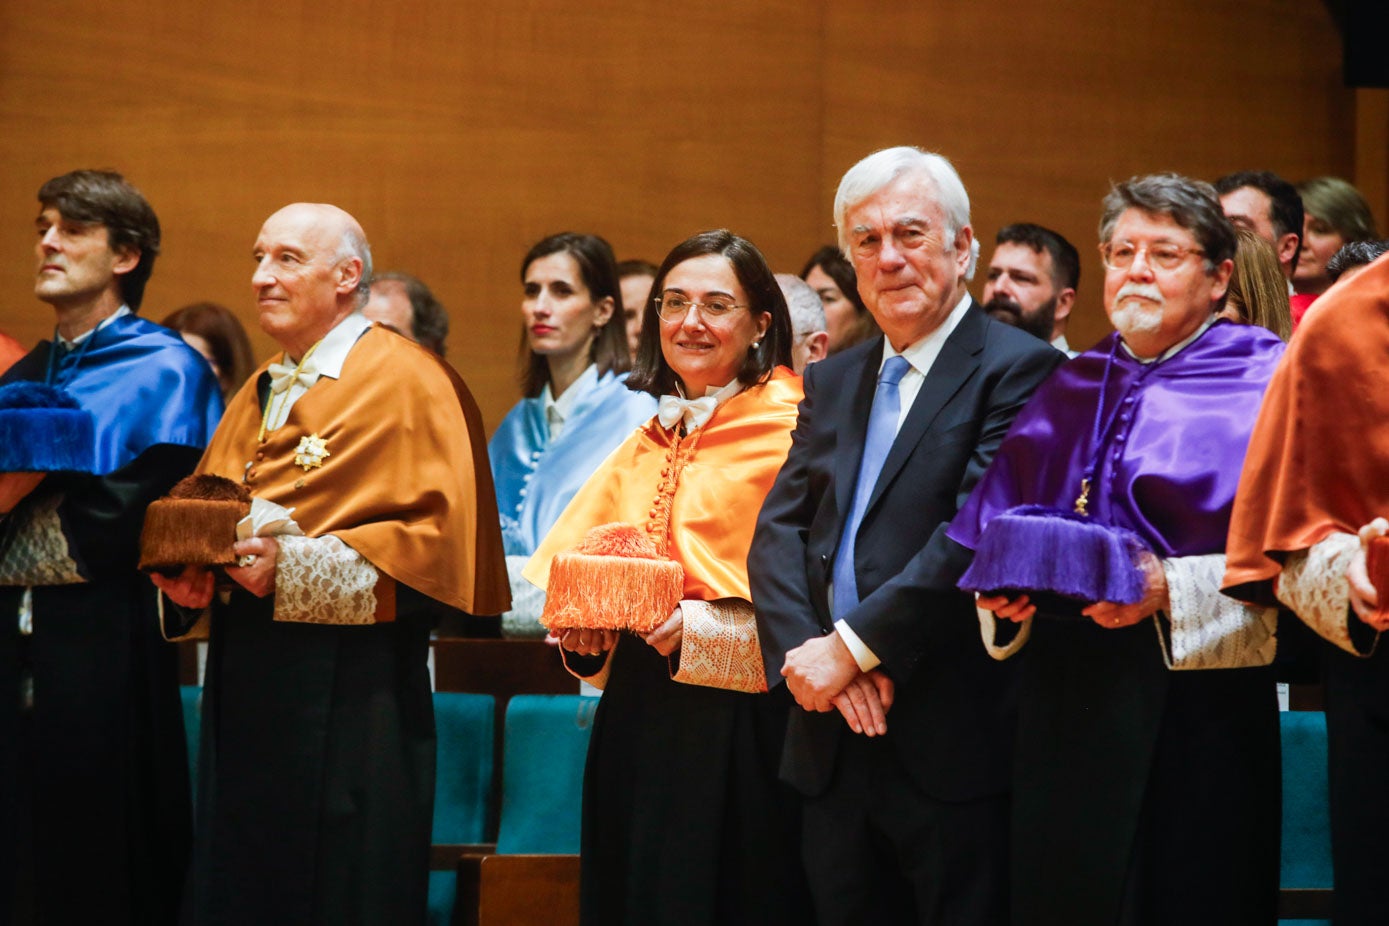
{"x":882,"y":430}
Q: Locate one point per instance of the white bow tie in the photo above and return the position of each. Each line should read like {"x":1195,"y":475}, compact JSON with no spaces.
{"x":282,"y":375}
{"x":695,"y":411}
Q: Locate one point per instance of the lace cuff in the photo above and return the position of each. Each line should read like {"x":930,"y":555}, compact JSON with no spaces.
{"x":718,"y":646}
{"x":39,"y":553}
{"x":321,"y":580}
{"x":1313,"y":584}
{"x":1209,"y":630}
{"x":989,"y":626}
{"x":527,"y":601}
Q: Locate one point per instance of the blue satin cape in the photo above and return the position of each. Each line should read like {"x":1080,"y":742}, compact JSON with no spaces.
{"x":141,"y":382}
{"x":536,"y":477}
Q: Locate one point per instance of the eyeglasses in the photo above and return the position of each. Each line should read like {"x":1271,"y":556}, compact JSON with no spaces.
{"x":673,"y":307}
{"x":1161,"y":255}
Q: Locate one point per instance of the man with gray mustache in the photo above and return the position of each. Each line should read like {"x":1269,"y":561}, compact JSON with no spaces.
{"x":1146,"y":776}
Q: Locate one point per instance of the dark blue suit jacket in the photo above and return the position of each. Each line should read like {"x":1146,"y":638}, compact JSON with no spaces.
{"x":953,"y":717}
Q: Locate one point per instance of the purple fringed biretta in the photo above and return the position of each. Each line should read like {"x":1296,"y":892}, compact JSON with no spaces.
{"x":1173,"y":440}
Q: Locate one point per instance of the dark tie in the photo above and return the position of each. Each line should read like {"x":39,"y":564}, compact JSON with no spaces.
{"x":882,"y":429}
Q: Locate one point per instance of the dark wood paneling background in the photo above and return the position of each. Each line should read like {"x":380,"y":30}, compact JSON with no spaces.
{"x":460,"y":132}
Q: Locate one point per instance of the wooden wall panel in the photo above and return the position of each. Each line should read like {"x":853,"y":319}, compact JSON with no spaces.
{"x":459,"y":133}
{"x":1042,"y":105}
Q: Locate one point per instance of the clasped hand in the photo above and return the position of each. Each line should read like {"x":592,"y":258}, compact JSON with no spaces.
{"x":822,"y":675}
{"x":193,"y":587}
{"x":1107,"y":614}
{"x":665,"y":639}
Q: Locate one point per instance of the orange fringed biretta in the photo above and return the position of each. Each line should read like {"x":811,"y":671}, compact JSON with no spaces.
{"x":410,"y":490}
{"x":614,"y":579}
{"x":696,"y":497}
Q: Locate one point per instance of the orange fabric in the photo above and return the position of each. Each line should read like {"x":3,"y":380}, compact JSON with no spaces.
{"x":1318,"y":461}
{"x":406,"y":481}
{"x":10,"y":351}
{"x":698,"y":496}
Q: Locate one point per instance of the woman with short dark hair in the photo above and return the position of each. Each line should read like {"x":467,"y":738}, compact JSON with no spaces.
{"x":685,"y":820}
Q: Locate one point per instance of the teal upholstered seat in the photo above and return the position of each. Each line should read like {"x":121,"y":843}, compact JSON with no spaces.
{"x":192,"y":697}
{"x":546,"y":743}
{"x":1306,"y":848}
{"x":462,"y":783}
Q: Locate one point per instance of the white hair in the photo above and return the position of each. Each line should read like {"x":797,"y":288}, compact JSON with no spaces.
{"x":354,"y":244}
{"x":881,"y":168}
{"x":804,"y":303}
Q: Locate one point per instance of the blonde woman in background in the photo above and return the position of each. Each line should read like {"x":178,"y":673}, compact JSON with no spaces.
{"x":1258,"y":292}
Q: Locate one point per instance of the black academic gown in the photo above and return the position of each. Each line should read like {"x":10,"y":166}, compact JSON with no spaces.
{"x":338,"y":834}
{"x":99,"y":765}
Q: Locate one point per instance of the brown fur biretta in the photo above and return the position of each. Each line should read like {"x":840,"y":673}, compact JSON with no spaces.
{"x":613,"y":579}
{"x":195,"y":524}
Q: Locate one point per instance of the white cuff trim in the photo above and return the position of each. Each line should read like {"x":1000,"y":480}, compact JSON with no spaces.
{"x":321,"y":580}
{"x":867,"y":659}
{"x":1210,"y":630}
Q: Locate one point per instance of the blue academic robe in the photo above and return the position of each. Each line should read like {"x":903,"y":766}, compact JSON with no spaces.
{"x":536,"y":477}
{"x":103,"y":755}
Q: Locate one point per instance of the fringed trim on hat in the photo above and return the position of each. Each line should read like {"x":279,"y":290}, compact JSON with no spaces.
{"x":1313,"y":585}
{"x":611,"y":580}
{"x":189,"y":531}
{"x":39,"y":553}
{"x":36,"y":439}
{"x":611,"y":593}
{"x":1209,"y":630}
{"x":1035,"y":548}
{"x":719,"y":647}
{"x":321,"y":580}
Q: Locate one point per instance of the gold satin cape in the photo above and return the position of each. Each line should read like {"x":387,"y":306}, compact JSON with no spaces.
{"x":1317,"y":459}
{"x":405,"y":482}
{"x":697,"y":496}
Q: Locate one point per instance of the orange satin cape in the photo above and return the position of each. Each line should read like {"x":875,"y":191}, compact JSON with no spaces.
{"x":405,"y":482}
{"x":1318,"y":461}
{"x":724,"y":471}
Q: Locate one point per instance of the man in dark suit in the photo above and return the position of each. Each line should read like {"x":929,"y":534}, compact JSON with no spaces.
{"x":854,"y":579}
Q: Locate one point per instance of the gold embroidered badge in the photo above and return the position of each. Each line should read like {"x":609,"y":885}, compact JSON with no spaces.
{"x":310,"y":452}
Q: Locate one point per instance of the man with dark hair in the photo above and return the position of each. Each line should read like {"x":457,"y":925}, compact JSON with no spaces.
{"x":107,"y":759}
{"x":1267,"y":205}
{"x":1354,"y":257}
{"x":1032,"y":281}
{"x":1131,"y":778}
{"x":407,"y":305}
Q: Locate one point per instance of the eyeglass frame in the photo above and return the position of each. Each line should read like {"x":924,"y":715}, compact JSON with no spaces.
{"x":1146,"y":249}
{"x":659,"y":302}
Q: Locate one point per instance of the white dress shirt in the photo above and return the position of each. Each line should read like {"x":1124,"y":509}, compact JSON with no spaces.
{"x":328,"y":357}
{"x":922,"y":356}
{"x":557,"y":411}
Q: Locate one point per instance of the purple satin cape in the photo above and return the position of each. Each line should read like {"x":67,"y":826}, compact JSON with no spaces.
{"x":1169,"y":461}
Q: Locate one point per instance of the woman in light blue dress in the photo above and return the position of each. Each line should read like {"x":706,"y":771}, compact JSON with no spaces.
{"x":576,"y":407}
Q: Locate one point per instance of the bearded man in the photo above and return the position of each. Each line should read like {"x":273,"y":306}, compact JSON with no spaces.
{"x":1146,"y":776}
